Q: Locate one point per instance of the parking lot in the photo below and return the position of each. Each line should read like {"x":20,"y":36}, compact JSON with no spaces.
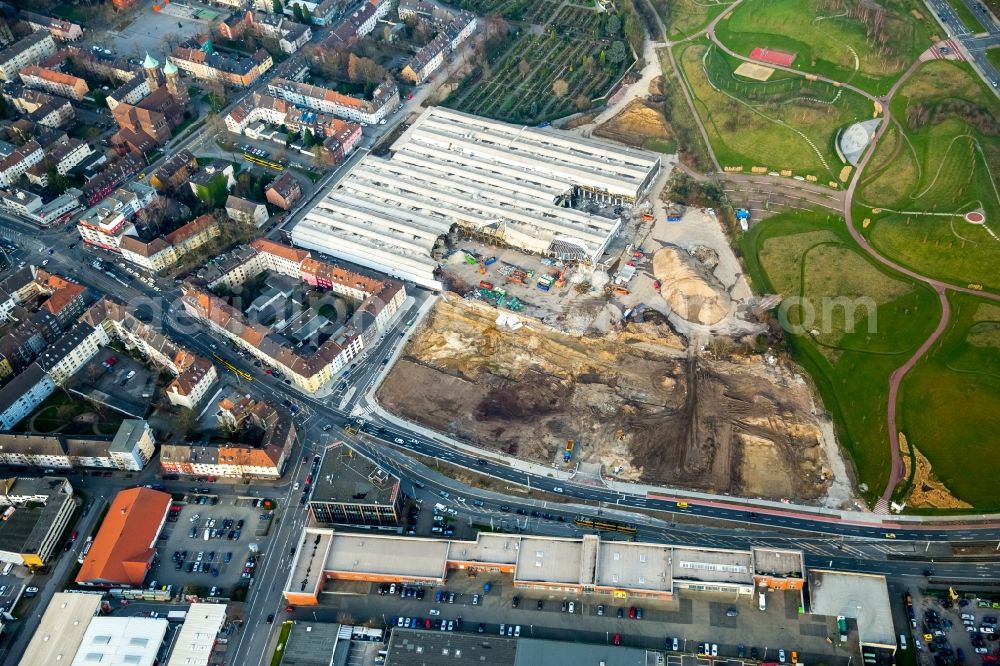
{"x":213,"y":543}
{"x":731,"y":627}
{"x":115,"y":377}
{"x":945,"y":631}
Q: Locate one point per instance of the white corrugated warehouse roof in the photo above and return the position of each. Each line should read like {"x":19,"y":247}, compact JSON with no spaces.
{"x":117,"y":641}
{"x":452,"y":168}
{"x":197,"y":636}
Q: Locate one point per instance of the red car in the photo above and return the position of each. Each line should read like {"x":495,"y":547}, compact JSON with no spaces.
{"x":631,"y":612}
{"x":618,"y":639}
{"x":74,"y":535}
{"x":309,"y":479}
{"x":409,"y":95}
{"x":289,"y":609}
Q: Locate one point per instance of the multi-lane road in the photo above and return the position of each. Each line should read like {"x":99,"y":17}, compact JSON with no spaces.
{"x":975,"y":43}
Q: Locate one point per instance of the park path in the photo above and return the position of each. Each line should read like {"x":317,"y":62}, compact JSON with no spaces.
{"x":940,"y":287}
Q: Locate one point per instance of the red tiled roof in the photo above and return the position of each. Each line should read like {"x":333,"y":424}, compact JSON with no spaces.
{"x":124,"y":545}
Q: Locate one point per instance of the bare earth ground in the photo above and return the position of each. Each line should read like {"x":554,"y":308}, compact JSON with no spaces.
{"x":633,"y":400}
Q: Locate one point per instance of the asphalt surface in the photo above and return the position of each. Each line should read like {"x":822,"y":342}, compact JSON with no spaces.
{"x":975,"y":44}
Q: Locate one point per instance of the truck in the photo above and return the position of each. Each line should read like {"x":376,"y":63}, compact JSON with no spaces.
{"x":568,"y":453}
{"x":842,"y":626}
{"x":176,"y":616}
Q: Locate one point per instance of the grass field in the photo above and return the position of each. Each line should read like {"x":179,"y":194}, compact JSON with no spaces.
{"x":686,"y":17}
{"x":835,"y":42}
{"x":785,"y":123}
{"x":966,"y":16}
{"x":946,"y":160}
{"x":993,"y":55}
{"x":963,"y":368}
{"x":810,"y":258}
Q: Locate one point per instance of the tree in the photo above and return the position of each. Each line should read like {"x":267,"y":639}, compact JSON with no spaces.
{"x":523,"y":67}
{"x":58,"y":183}
{"x":612,"y":26}
{"x":617,"y":53}
{"x":184,"y":421}
{"x":308,"y":139}
{"x":582,"y":102}
{"x":603,"y":58}
{"x":300,"y":13}
{"x":560,"y":88}
{"x":277,"y":7}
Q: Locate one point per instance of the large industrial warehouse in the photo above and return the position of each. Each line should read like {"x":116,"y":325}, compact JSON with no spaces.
{"x":515,"y":183}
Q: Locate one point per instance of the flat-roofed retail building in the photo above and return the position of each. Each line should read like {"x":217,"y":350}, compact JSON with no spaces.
{"x":621,"y":569}
{"x":520,"y":186}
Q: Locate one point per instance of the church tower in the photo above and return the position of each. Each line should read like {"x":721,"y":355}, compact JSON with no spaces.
{"x":152,"y":68}
{"x":174,"y":84}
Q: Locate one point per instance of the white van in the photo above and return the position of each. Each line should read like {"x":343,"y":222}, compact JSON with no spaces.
{"x":762,"y":602}
{"x":208,"y":534}
{"x":8,"y":568}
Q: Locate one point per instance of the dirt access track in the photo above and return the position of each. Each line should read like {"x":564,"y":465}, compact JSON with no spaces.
{"x":633,"y":401}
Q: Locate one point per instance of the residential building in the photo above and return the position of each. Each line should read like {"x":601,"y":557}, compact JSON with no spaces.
{"x":385,"y":100}
{"x":131,"y":448}
{"x":240,"y":71}
{"x":232,"y":26}
{"x":309,"y":364}
{"x":17,"y":163}
{"x":104,"y":225}
{"x":167,"y":250}
{"x":175,"y":171}
{"x":72,"y":351}
{"x":100,"y":186}
{"x":322,"y":13}
{"x":61,"y":629}
{"x":214,"y":171}
{"x":246,"y":211}
{"x":192,"y":386}
{"x":360,"y":23}
{"x":61,"y":29}
{"x":284,"y":192}
{"x":61,"y":156}
{"x":349,"y":489}
{"x":426,"y":61}
{"x":130,"y":92}
{"x":291,"y":36}
{"x":267,"y":460}
{"x":54,"y":82}
{"x":125,"y":545}
{"x":25,"y":51}
{"x":22,"y":394}
{"x":40,"y":107}
{"x":460,"y":28}
{"x":20,"y":202}
{"x":35,"y":513}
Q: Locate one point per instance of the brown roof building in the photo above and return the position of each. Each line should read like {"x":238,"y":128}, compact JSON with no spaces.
{"x":284,"y":192}
{"x":124,"y":547}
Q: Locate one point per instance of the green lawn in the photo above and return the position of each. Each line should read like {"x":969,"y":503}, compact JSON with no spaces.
{"x":947,"y":161}
{"x":784,"y":123}
{"x":809,"y":258}
{"x":835,"y":42}
{"x":966,"y":16}
{"x":279,"y":649}
{"x":993,"y":55}
{"x":950,"y":403}
{"x":686,"y":17}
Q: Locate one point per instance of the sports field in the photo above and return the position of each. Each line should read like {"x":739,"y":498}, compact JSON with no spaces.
{"x":963,"y":369}
{"x":853,"y":42}
{"x":783,"y":123}
{"x":944,"y":162}
{"x":850,"y":323}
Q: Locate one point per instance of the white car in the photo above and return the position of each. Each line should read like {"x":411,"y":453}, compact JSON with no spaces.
{"x":398,"y":441}
{"x":715,"y":649}
{"x":434,"y":611}
{"x":557,"y":489}
{"x":572,"y":607}
{"x":781,"y":656}
{"x":296,"y":486}
{"x":195,"y":517}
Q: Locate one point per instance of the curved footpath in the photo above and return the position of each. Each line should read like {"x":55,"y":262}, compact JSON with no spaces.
{"x":940,"y":287}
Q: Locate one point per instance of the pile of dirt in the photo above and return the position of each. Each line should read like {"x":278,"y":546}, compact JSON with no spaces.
{"x":634,"y":401}
{"x":927,"y":490}
{"x":637,"y":123}
{"x":689,"y":288}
